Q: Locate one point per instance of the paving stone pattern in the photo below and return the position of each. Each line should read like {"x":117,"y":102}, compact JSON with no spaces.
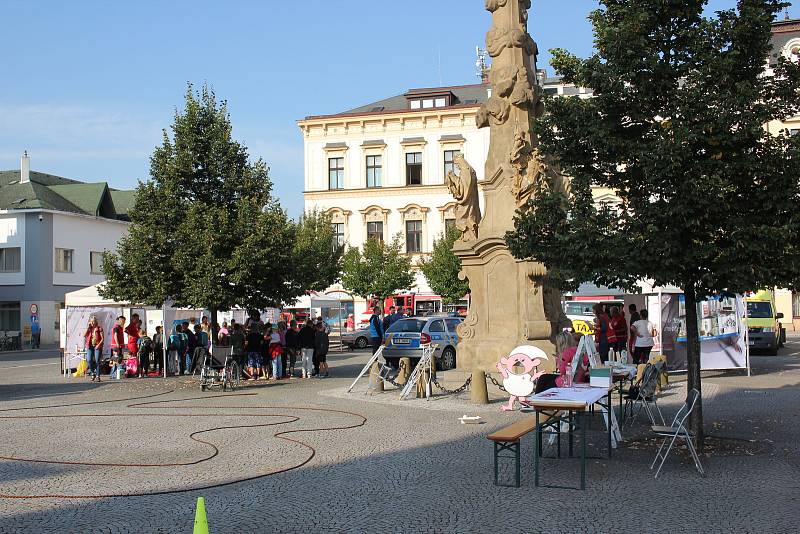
{"x":410,"y":468}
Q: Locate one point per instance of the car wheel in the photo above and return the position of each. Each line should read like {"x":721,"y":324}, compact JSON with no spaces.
{"x":773,"y":351}
{"x":361,"y":343}
{"x":448,"y":359}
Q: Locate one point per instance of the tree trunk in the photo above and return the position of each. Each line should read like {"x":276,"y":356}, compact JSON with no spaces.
{"x":214,"y":329}
{"x":693,"y":360}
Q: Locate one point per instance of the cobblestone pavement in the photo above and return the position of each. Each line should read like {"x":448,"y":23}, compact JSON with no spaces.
{"x":408,"y":468}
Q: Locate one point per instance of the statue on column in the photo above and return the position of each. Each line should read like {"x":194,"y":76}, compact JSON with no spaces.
{"x":464,"y":188}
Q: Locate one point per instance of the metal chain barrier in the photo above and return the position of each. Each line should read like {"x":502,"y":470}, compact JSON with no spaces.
{"x":456,"y":391}
{"x":495,"y":382}
{"x":391,"y":380}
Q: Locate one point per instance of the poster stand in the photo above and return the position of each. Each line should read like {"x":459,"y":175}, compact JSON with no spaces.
{"x":366,"y":368}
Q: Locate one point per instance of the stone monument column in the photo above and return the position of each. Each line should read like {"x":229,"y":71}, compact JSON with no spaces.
{"x":511,"y":303}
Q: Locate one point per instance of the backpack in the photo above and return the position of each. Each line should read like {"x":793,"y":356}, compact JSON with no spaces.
{"x":173,"y":343}
{"x":146,"y":345}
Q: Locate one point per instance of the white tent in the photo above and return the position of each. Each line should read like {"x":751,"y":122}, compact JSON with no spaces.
{"x":90,"y":296}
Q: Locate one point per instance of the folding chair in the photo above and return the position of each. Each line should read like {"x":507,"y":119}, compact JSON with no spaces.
{"x":644,"y":396}
{"x":678,"y":430}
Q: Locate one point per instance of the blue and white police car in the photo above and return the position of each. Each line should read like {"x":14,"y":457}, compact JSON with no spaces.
{"x":404,"y":339}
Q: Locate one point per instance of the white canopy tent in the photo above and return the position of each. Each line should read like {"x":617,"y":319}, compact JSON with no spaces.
{"x":90,"y":296}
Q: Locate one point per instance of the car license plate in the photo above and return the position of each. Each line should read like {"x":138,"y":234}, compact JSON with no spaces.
{"x":752,"y":343}
{"x":401,"y":341}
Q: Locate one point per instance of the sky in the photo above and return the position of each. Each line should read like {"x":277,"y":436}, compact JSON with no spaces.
{"x":88,"y":85}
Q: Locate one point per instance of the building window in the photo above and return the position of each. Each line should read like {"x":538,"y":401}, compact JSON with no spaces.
{"x":336,"y":173}
{"x":449,"y":165}
{"x":796,"y":304}
{"x":428,"y":103}
{"x":413,"y":237}
{"x":414,"y":168}
{"x":338,"y":234}
{"x":374,"y":171}
{"x":375,"y":231}
{"x":10,"y":260}
{"x":449,"y":224}
{"x":96,"y":262}
{"x":9,"y":316}
{"x":64,"y":260}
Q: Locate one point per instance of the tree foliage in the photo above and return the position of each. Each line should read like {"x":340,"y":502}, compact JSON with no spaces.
{"x":709,"y":199}
{"x":205,"y":230}
{"x":379,"y":270}
{"x":442,"y":267}
{"x":317,"y":264}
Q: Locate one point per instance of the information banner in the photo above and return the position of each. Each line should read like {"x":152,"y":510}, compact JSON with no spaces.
{"x":78,"y":322}
{"x":722,"y":332}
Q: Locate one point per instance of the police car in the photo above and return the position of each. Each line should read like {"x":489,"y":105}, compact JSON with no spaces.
{"x":404,"y":339}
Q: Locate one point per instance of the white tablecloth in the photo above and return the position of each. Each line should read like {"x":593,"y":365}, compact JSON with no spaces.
{"x":579,"y":395}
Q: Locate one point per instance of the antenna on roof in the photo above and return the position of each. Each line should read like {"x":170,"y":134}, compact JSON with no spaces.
{"x":482,"y":69}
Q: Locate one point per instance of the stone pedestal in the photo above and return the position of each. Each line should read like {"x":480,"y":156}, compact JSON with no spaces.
{"x":507,"y":307}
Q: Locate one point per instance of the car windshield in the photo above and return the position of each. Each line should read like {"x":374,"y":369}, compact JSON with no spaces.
{"x":407,"y":325}
{"x":759,"y":310}
{"x":578,"y":308}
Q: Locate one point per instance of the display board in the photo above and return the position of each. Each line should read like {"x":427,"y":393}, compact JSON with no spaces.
{"x":723,"y":332}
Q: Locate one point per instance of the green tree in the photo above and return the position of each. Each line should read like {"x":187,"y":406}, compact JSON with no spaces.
{"x":380,"y":270}
{"x":317,"y":264}
{"x":205,"y":230}
{"x":442,"y":267}
{"x":709,"y":199}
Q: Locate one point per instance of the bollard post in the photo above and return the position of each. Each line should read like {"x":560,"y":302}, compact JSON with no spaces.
{"x":477,"y":388}
{"x":375,"y":380}
{"x":405,"y":371}
{"x":200,"y":519}
{"x":422,"y":384}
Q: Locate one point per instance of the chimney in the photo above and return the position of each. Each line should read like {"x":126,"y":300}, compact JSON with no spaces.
{"x":25,"y":168}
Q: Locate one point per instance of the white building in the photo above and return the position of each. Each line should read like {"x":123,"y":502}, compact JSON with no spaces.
{"x":379,"y":170}
{"x":53,"y":232}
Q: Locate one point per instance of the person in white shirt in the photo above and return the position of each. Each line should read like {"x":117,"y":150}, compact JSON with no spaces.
{"x":644,"y":332}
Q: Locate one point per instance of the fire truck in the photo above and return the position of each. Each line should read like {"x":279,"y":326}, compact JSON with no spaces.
{"x":421,"y":304}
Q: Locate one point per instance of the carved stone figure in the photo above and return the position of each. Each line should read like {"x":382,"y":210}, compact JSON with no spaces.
{"x":533,"y":170}
{"x":464,"y":188}
{"x":513,"y":82}
{"x":495,"y":111}
{"x":499,"y":38}
{"x":493,"y":5}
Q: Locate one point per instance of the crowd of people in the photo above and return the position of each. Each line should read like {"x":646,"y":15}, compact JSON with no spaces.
{"x":263,"y":351}
{"x":613,"y":332}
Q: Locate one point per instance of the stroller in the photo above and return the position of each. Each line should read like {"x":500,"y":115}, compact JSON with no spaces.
{"x":225,"y":375}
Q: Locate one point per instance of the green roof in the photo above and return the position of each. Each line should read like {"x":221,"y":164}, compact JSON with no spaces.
{"x":123,"y":201}
{"x":50,"y":192}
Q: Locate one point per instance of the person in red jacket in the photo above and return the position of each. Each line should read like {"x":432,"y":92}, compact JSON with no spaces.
{"x":118,"y":339}
{"x":133,"y":334}
{"x":602,"y":331}
{"x":620,"y":328}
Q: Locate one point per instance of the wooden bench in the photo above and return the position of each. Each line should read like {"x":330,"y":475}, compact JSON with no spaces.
{"x":508,"y":439}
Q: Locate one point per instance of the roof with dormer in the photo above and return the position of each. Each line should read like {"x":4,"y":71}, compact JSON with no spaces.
{"x":56,"y":193}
